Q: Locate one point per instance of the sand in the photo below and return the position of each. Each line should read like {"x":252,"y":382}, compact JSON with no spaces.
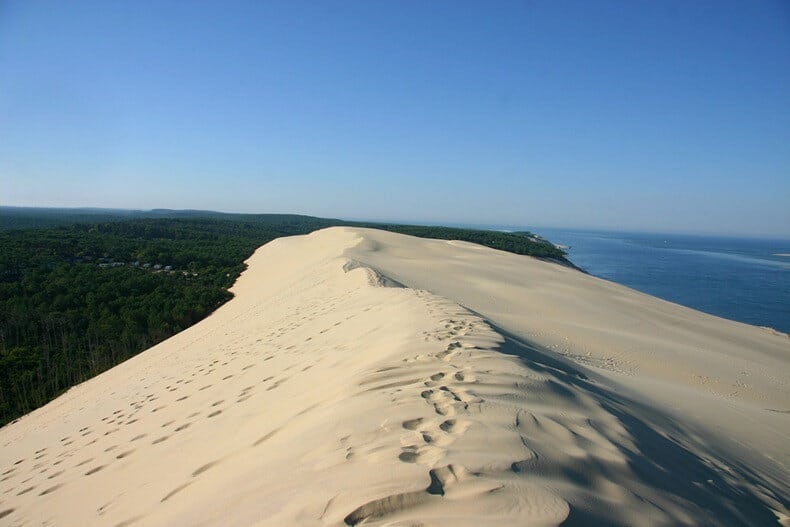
{"x":361,"y":377}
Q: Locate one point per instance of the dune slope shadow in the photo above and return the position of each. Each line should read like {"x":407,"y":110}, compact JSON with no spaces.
{"x":682,"y":477}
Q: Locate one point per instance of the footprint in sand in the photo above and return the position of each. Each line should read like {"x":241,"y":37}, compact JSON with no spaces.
{"x":412,"y":424}
{"x":424,"y":455}
{"x":83,"y":462}
{"x":94,"y":470}
{"x":454,"y":426}
{"x":408,"y":456}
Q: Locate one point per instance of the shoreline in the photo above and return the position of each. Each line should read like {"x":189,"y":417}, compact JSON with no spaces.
{"x":690,"y":272}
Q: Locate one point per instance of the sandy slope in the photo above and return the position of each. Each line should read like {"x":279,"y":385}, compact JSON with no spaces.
{"x":492,"y":390}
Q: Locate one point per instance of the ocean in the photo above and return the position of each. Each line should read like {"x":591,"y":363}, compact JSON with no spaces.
{"x":747,"y":280}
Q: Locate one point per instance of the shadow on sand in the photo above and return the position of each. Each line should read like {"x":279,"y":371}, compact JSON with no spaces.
{"x":714,"y":491}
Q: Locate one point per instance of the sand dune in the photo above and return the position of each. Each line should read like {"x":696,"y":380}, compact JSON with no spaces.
{"x":368,"y":378}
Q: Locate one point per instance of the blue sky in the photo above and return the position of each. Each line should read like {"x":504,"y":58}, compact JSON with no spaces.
{"x":662,"y":116}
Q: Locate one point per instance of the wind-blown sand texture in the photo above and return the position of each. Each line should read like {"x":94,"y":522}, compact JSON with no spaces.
{"x":368,"y":378}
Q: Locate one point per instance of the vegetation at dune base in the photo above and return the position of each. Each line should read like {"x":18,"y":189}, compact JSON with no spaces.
{"x":524,"y":243}
{"x":77,"y":298}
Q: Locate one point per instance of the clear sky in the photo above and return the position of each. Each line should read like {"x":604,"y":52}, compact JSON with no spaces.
{"x":637,"y":115}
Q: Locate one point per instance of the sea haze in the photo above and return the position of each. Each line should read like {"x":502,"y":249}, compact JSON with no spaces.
{"x":741,"y":279}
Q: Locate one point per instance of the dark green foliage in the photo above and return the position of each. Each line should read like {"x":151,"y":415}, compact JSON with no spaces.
{"x":79,"y":298}
{"x":31,"y":217}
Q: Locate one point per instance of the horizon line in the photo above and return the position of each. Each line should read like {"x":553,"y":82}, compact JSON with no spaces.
{"x":495,"y":226}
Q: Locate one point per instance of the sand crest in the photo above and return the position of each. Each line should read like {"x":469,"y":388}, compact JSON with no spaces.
{"x":368,"y":378}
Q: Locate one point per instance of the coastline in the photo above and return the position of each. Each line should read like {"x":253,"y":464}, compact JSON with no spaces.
{"x":735,"y":278}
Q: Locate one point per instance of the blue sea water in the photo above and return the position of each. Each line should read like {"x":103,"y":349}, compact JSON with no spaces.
{"x":740,"y":279}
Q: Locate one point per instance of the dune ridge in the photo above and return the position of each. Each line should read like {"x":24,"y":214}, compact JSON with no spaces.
{"x":367,"y":378}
